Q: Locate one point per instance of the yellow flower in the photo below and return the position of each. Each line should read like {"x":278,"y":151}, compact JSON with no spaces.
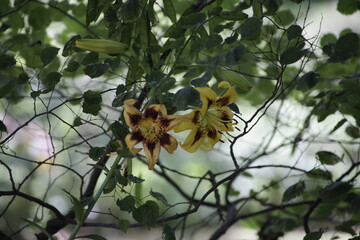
{"x":207,"y":123}
{"x":150,"y":129}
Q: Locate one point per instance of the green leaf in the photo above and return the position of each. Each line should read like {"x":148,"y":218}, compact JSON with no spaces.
{"x":77,"y":122}
{"x":284,"y":17}
{"x":39,"y":18}
{"x":119,"y":130}
{"x":95,"y":153}
{"x":7,"y":85}
{"x":327,"y":38}
{"x":308,"y":81}
{"x":271,"y":7}
{"x":235,"y":55}
{"x":78,"y":208}
{"x":169,"y":10}
{"x":192,"y":20}
{"x":134,"y":179}
{"x":319,"y":173}
{"x":3,"y":127}
{"x":235,"y":15}
{"x":214,"y":41}
{"x":147,"y":213}
{"x":347,"y":7}
{"x":294,"y":31}
{"x":345,"y":47}
{"x":91,"y":236}
{"x":294,"y":191}
{"x":291,"y":55}
{"x":203,"y":80}
{"x":124,"y":224}
{"x":23,"y":78}
{"x":185,"y":97}
{"x":130,"y":11}
{"x":160,"y":197}
{"x":92,"y":97}
{"x":328,"y":158}
{"x":48,"y":54}
{"x":96,"y":70}
{"x":235,"y":109}
{"x":51,"y":80}
{"x":335,"y":190}
{"x":92,"y":101}
{"x":297,"y":1}
{"x":72,"y":66}
{"x":251,"y":29}
{"x":93,"y":10}
{"x":338,"y":125}
{"x":126,"y":204}
{"x":168,"y":233}
{"x":6,"y":61}
{"x":69,"y":47}
{"x":352,"y":131}
{"x":313,"y":236}
{"x":110,"y":185}
{"x":347,"y":227}
{"x":91,"y":57}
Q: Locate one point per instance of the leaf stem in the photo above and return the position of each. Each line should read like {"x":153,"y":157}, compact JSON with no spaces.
{"x":95,"y":199}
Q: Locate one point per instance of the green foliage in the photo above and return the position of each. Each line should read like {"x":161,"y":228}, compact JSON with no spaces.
{"x":313,"y":236}
{"x":147,"y":213}
{"x":92,"y":102}
{"x":159,"y":196}
{"x":328,"y":158}
{"x":127,"y":203}
{"x":347,"y":7}
{"x":335,"y":190}
{"x":95,"y":153}
{"x":168,"y":233}
{"x":294,"y":191}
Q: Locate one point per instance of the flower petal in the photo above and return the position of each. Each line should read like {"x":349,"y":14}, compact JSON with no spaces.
{"x":153,"y":111}
{"x":207,"y":97}
{"x":225,"y":116}
{"x":191,"y":119}
{"x":132,"y":139}
{"x":168,"y":122}
{"x":169,"y":143}
{"x":229,"y":96}
{"x":193,"y":141}
{"x":132,"y":115}
{"x":213,"y":137}
{"x":152,"y":151}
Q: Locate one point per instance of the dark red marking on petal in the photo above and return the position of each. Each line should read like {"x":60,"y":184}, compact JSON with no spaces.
{"x":151,"y":112}
{"x":137,"y":136}
{"x":135,"y":118}
{"x":212,"y":133}
{"x":223,"y":101}
{"x":198,"y":135}
{"x":151,"y":147}
{"x":210,"y":101}
{"x":224,"y":116}
{"x":195,"y":119}
{"x":165,"y":140}
{"x":165,"y":121}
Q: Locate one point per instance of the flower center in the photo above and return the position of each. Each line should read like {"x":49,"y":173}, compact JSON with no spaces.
{"x":150,"y":130}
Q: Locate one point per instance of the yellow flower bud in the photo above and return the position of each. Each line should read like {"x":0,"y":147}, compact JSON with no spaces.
{"x":101,"y":46}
